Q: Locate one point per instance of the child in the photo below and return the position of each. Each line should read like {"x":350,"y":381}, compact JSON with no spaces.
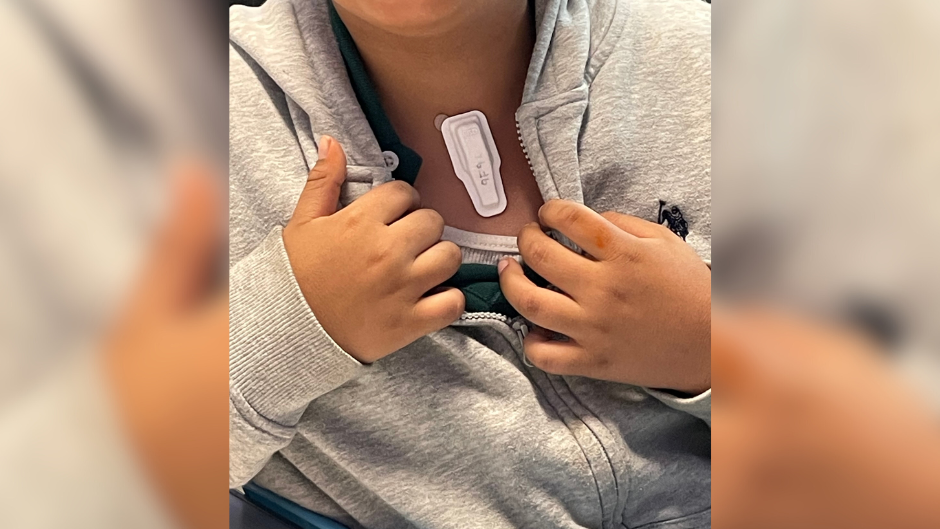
{"x":364,"y":391}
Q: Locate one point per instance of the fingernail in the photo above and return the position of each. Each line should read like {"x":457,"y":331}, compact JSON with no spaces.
{"x":503,"y":263}
{"x":323,"y":146}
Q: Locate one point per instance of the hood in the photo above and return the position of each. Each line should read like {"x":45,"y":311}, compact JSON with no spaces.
{"x":292,"y":41}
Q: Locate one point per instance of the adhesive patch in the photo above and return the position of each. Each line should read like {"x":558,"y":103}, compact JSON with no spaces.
{"x":476,"y":161}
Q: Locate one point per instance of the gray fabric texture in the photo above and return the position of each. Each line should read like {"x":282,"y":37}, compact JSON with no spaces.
{"x":455,"y":430}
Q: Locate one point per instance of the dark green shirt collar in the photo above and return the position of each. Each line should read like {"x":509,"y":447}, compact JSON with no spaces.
{"x":409,"y":162}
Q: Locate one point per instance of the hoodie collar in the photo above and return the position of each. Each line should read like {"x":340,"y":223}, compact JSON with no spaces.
{"x":293,"y":41}
{"x":409,"y":161}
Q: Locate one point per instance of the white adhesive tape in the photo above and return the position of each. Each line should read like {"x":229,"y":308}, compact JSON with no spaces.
{"x":476,"y":161}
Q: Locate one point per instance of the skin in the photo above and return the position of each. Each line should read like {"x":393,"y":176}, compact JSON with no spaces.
{"x":365,"y":270}
{"x":427,"y":58}
{"x":636,"y":308}
{"x":812,"y":431}
{"x":432,"y":57}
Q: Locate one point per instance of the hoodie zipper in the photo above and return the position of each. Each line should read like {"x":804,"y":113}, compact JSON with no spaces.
{"x":522,"y":144}
{"x":522,"y":329}
{"x":518,"y":326}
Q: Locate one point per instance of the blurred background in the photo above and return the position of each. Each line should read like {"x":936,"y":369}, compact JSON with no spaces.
{"x":113,"y":319}
{"x":827,"y":166}
{"x":113,"y":322}
{"x":825,"y":335}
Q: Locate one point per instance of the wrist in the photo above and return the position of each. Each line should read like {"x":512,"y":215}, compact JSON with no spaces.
{"x":698,"y":372}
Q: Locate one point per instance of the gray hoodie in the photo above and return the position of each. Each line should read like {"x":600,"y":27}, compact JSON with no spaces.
{"x":455,"y":430}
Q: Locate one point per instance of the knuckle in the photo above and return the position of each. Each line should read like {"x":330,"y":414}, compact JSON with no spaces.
{"x":318,"y":171}
{"x":619,"y":293}
{"x":537,"y":252}
{"x":547,"y":363}
{"x":323,"y":175}
{"x":611,"y":216}
{"x":444,"y":314}
{"x":601,"y":364}
{"x":416,"y":316}
{"x":452,"y":254}
{"x":568,"y":213}
{"x":399,"y":185}
{"x":382,"y":252}
{"x":526,"y":238}
{"x":401,"y":189}
{"x":388,"y":251}
{"x":388,"y":189}
{"x":352,"y":222}
{"x":550,"y":208}
{"x":626,"y":253}
{"x":433,"y":218}
{"x":530,"y":305}
{"x":456,"y":309}
{"x":373,"y":259}
{"x":599,"y":326}
{"x":394,"y":320}
{"x":664,"y":231}
{"x":604,"y":327}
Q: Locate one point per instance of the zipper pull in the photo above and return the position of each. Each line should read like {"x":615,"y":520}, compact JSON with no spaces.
{"x":521,"y":331}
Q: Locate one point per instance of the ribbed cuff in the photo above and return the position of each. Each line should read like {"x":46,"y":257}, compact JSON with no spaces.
{"x":698,"y":406}
{"x":280,"y":358}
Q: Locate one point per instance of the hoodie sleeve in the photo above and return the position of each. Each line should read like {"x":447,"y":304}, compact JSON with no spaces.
{"x":280,"y":358}
{"x":699,"y":406}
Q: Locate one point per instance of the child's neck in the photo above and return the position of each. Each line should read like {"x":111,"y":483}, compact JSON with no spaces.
{"x":475,"y":60}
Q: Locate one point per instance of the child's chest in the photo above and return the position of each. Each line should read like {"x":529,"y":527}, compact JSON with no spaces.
{"x":442,"y":191}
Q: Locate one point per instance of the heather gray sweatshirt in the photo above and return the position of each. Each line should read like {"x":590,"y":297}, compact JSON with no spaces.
{"x":455,"y":430}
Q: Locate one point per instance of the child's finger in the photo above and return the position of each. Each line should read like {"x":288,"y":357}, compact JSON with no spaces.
{"x":636,"y":226}
{"x":436,"y":265}
{"x":553,"y":261}
{"x":541,"y":306}
{"x":556,"y":357}
{"x":386,"y":203}
{"x":320,"y":195}
{"x":418,"y":230}
{"x":592,"y":232}
{"x":437,"y":311}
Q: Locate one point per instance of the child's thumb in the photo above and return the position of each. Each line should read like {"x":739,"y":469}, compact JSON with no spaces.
{"x":321,"y":192}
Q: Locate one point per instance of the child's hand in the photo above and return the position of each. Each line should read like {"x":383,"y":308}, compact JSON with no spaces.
{"x":365,"y":269}
{"x":639,"y":312}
